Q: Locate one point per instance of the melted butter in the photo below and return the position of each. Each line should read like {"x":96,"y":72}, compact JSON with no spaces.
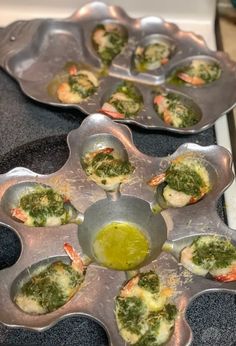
{"x":120,"y":246}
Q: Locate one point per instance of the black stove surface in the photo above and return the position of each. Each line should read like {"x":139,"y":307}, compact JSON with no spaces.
{"x":34,"y":136}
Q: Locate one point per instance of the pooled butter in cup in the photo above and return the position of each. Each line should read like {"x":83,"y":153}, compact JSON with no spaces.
{"x":120,"y":246}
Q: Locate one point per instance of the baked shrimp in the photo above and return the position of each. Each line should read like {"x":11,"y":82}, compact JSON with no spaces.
{"x":106,"y":168}
{"x":108,"y":40}
{"x":211,"y":255}
{"x":186,"y":181}
{"x":42,"y":206}
{"x":198,"y":73}
{"x":173,"y":111}
{"x":125,"y":102}
{"x":152,"y":56}
{"x":51,"y":286}
{"x":80,"y":85}
{"x":143,"y":314}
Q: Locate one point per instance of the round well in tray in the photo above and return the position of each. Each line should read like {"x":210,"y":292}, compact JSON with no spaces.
{"x":126,"y":210}
{"x":47,"y":208}
{"x":101,"y":141}
{"x":163,"y":42}
{"x":51,"y":290}
{"x":123,"y":98}
{"x":180,"y":112}
{"x":106,"y":34}
{"x":195,"y":71}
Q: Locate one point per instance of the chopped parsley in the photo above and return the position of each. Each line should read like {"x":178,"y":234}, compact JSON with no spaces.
{"x":132,"y":101}
{"x":149,"y":281}
{"x":46,"y":287}
{"x":167,"y":316}
{"x":42,"y":203}
{"x":131,"y":313}
{"x":208,"y":72}
{"x":115,"y":41}
{"x":105,"y":165}
{"x":183,"y":178}
{"x":82,"y":85}
{"x":182,"y":115}
{"x":211,"y":252}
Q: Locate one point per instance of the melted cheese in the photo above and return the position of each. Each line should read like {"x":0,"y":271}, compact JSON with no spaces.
{"x":154,"y":302}
{"x":62,"y":278}
{"x":29,"y":305}
{"x":164,"y":331}
{"x":131,"y":338}
{"x":51,"y":220}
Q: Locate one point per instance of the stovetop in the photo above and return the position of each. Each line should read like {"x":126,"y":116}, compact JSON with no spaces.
{"x":34,"y":136}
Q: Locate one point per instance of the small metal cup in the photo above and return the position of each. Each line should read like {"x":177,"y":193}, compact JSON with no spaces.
{"x":123,"y":209}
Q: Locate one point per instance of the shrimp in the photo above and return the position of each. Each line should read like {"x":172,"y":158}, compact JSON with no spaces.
{"x":225,"y":274}
{"x":164,"y":61}
{"x":126,"y":290}
{"x":80,"y":85}
{"x":19,"y":214}
{"x":77,"y":263}
{"x":194,"y":80}
{"x":89,"y":156}
{"x":160,"y":100}
{"x":98,"y":36}
{"x":175,"y":193}
{"x":157,"y":179}
{"x":109,"y":109}
{"x":65,"y":95}
{"x":73,"y":70}
{"x":177,"y":199}
{"x":211,"y":255}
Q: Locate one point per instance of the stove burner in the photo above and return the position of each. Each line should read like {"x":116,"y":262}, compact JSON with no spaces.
{"x":8,"y":241}
{"x":211,"y":329}
{"x":43,"y":156}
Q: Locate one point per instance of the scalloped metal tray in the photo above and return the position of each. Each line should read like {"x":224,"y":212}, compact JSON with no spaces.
{"x":34,"y":51}
{"x":96,"y":298}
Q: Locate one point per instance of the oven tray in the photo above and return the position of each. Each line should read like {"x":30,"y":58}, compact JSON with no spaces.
{"x":96,"y":298}
{"x":34,"y":51}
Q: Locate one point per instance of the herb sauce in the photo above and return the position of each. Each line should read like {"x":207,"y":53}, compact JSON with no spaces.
{"x":149,"y":281}
{"x":213,"y":252}
{"x":131,"y":312}
{"x":182,"y":115}
{"x":130,"y":103}
{"x":183,"y":178}
{"x":42,"y":203}
{"x":104,"y":165}
{"x":51,"y":288}
{"x":110,"y":43}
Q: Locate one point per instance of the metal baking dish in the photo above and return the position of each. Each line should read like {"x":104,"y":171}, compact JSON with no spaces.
{"x":34,"y":51}
{"x":96,"y":298}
